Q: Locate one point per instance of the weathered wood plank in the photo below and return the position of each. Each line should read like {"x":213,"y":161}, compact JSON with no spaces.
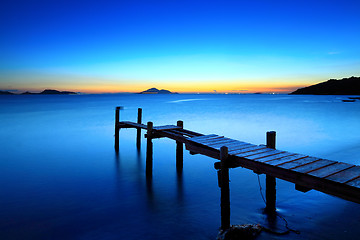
{"x":127,"y":124}
{"x":201,"y":150}
{"x":354,"y":183}
{"x":203,"y":137}
{"x":166,"y":127}
{"x":274,"y":157}
{"x":330,"y":170}
{"x":265,"y":154}
{"x":247,"y":149}
{"x":313,"y":166}
{"x":211,"y":138}
{"x":221,"y":143}
{"x":285,"y":159}
{"x":298,"y":163}
{"x":346,"y":175}
{"x":216,"y":140}
{"x":239,"y":147}
{"x":334,"y":188}
{"x":250,"y":153}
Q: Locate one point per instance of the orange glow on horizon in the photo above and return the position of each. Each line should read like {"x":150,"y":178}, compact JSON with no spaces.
{"x":191,"y":87}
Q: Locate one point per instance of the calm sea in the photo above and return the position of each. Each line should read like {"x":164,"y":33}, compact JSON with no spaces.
{"x":61,"y":179}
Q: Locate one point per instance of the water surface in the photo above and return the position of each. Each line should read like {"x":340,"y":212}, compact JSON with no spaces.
{"x":61,"y":179}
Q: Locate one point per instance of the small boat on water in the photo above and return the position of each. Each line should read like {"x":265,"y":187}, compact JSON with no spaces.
{"x":348,"y":100}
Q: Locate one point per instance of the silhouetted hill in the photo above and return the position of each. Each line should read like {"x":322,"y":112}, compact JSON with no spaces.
{"x":51,"y":91}
{"x":345,"y":86}
{"x":156,"y":91}
{"x":6,"y":93}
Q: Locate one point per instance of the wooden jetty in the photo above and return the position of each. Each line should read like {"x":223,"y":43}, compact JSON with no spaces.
{"x":335,"y":178}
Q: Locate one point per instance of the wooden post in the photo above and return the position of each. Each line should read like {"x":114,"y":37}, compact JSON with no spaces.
{"x":225,"y":190}
{"x":149,"y":149}
{"x":117,"y":119}
{"x":179,"y":150}
{"x":138,"y":130}
{"x":270,"y":180}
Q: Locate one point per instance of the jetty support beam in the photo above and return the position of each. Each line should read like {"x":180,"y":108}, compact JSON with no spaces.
{"x":138,"y":130}
{"x":179,"y":150}
{"x":117,"y":128}
{"x":149,"y":149}
{"x":225,"y":189}
{"x":270,"y":180}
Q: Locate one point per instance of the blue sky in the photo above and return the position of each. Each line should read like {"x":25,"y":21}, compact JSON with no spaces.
{"x":191,"y":46}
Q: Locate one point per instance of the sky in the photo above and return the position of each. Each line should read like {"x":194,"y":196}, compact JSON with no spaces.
{"x":183,"y":46}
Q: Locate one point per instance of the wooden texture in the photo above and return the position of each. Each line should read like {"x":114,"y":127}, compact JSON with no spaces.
{"x":314,"y":166}
{"x":149,"y":149}
{"x":299,"y":162}
{"x":270,"y":179}
{"x":330,"y":170}
{"x":335,"y":178}
{"x":166,"y":127}
{"x":346,"y":175}
{"x":225,"y":190}
{"x":179,"y":150}
{"x":138,"y":129}
{"x":117,"y":119}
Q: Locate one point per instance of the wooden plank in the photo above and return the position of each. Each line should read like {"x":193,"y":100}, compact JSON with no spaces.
{"x":203,"y":137}
{"x":330,"y":170}
{"x":239,"y":145}
{"x":346,"y":175}
{"x":298,"y":163}
{"x":127,"y":124}
{"x":285,"y":159}
{"x":274,"y":157}
{"x":222,"y":143}
{"x":212,"y":138}
{"x":188,"y":132}
{"x":216,"y":140}
{"x":250,"y":153}
{"x":265,"y":154}
{"x":305,"y":180}
{"x":201,"y":150}
{"x":166,"y":127}
{"x":247,"y":149}
{"x":236,"y":148}
{"x":354,"y":183}
{"x":314,"y":166}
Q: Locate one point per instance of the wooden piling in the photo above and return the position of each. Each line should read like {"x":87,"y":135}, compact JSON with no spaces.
{"x":225,"y":190}
{"x":138,"y":130}
{"x":179,"y":150}
{"x":149,"y":149}
{"x":117,"y":120}
{"x":270,"y":180}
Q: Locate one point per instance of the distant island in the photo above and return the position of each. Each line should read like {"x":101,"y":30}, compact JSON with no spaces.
{"x":156,"y":91}
{"x":345,"y":86}
{"x":6,"y":93}
{"x":45,"y":92}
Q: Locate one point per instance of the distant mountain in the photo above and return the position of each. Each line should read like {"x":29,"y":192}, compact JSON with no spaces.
{"x":50,"y":91}
{"x":345,"y":86}
{"x":156,"y":91}
{"x":6,"y":93}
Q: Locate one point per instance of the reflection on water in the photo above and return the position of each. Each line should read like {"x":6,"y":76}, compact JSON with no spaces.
{"x":61,"y":178}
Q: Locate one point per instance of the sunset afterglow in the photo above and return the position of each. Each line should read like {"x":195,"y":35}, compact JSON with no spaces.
{"x":183,"y":46}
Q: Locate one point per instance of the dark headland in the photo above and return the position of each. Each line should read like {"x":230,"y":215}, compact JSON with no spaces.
{"x":156,"y":91}
{"x":6,"y":93}
{"x":45,"y":92}
{"x":345,"y":86}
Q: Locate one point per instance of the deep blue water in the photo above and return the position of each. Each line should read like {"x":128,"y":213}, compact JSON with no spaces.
{"x":61,"y":179}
